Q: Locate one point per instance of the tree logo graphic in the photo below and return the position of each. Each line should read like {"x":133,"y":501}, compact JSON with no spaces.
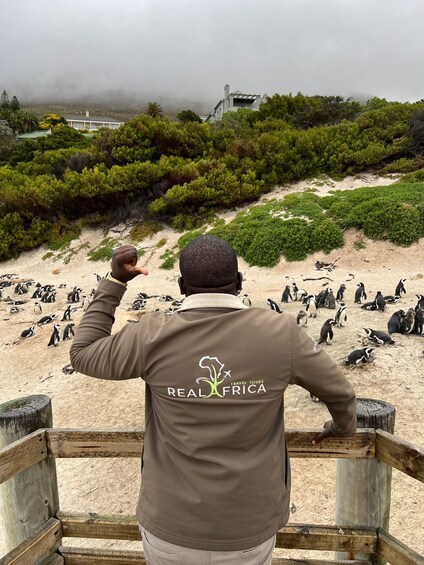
{"x":214,"y":366}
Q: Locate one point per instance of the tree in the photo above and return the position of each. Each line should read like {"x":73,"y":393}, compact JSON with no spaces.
{"x":51,"y":120}
{"x":14,"y":104}
{"x":153,"y":109}
{"x":416,"y":132}
{"x":189,"y":116}
{"x":4,"y":100}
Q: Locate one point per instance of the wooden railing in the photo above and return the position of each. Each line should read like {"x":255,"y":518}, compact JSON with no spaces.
{"x":43,"y":545}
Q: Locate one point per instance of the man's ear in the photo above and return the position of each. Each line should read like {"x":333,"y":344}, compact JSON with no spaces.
{"x":239,"y":281}
{"x":181,"y":284}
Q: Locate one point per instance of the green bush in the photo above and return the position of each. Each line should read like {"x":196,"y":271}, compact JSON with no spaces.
{"x":61,"y":234}
{"x":169,"y":259}
{"x":326,"y":236}
{"x":187,"y":237}
{"x":144,"y":230}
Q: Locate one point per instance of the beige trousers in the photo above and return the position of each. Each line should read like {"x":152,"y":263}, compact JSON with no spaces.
{"x":160,"y":552}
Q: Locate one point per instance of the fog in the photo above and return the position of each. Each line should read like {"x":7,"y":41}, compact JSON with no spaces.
{"x":185,"y":51}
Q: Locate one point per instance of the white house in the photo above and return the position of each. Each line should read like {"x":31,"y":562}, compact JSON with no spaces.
{"x":233,"y":101}
{"x":92,"y":123}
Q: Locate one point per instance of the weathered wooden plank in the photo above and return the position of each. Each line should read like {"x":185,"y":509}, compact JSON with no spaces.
{"x":395,"y":552}
{"x":38,"y":547}
{"x":128,"y":443}
{"x":400,"y":454}
{"x":77,"y":556}
{"x":83,"y":556}
{"x":298,"y":536}
{"x":21,"y":454}
{"x":327,"y":538}
{"x":94,"y":443}
{"x":359,"y":446}
{"x":99,"y":526}
{"x":54,"y":559}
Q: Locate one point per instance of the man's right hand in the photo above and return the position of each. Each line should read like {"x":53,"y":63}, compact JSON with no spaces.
{"x":124,"y":264}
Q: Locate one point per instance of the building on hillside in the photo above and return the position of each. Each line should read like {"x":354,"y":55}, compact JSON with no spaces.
{"x":92,"y":123}
{"x":233,"y":101}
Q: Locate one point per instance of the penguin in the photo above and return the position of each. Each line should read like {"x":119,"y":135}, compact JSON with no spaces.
{"x":273,"y":305}
{"x":390,"y":299}
{"x":98,"y":277}
{"x":408,"y":322}
{"x":314,"y":398}
{"x":55,"y":337}
{"x":302,"y":318}
{"x":37,"y":293}
{"x":68,"y":369}
{"x":380,"y":338}
{"x":341,"y":315}
{"x":68,"y":332}
{"x":166,"y":298}
{"x":74,"y":295}
{"x":15,"y":309}
{"x":177,"y":303}
{"x":340,"y":293}
{"x":420,"y":303}
{"x":311,"y":306}
{"x":144,"y":296}
{"x":51,"y":297}
{"x":395,"y":321}
{"x":246,"y":300}
{"x":380,"y":303}
{"x":400,"y":289}
{"x":369,"y":305}
{"x":360,"y":293}
{"x":330,"y":301}
{"x":85,"y":302}
{"x":321,"y":298}
{"x":326,"y":333}
{"x":287,"y":295}
{"x":28,"y":333}
{"x":37,"y":308}
{"x":359,"y":356}
{"x":419,"y":321}
{"x":138,"y":304}
{"x":46,"y":320}
{"x":67,"y":314}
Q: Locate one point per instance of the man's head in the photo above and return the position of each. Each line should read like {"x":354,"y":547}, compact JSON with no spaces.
{"x":209,"y":264}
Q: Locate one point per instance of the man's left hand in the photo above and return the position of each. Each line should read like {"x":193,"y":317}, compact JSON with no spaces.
{"x":326,"y":432}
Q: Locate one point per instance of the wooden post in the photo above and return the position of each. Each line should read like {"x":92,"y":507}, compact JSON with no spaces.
{"x":363,"y":487}
{"x":30,"y":498}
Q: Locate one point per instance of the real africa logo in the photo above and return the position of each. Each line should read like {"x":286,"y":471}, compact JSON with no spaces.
{"x":214,"y":366}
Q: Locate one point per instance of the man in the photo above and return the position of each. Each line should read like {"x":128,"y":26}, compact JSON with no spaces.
{"x":216,"y":475}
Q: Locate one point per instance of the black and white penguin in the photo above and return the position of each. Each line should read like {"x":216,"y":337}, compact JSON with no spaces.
{"x":360,"y":293}
{"x":380,"y":338}
{"x":298,"y":293}
{"x":330,"y":301}
{"x":390,"y":299}
{"x":37,"y":293}
{"x":46,"y":320}
{"x":287,"y":295}
{"x":359,"y":356}
{"x":321,"y":298}
{"x":273,"y":305}
{"x":74,"y":295}
{"x":302,"y":318}
{"x":340,"y":293}
{"x":55,"y":337}
{"x":395,"y":321}
{"x":400,"y":289}
{"x":166,"y":298}
{"x":341,"y":315}
{"x":246,"y":300}
{"x":29,"y":332}
{"x":85,"y":302}
{"x":326,"y":333}
{"x":419,"y":321}
{"x":37,"y":308}
{"x":15,"y":309}
{"x":98,"y":277}
{"x":51,"y":297}
{"x":67,"y":313}
{"x":138,"y":304}
{"x":311,"y":306}
{"x":369,"y":305}
{"x":68,"y":369}
{"x":420,"y":303}
{"x":408,"y":323}
{"x":380,"y":303}
{"x":68,"y":332}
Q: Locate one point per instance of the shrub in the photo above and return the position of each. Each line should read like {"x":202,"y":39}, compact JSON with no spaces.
{"x":406,"y":228}
{"x":62,"y":233}
{"x":169,"y":259}
{"x":267,"y":244}
{"x":144,"y":230}
{"x":187,"y":237}
{"x":326,"y":236}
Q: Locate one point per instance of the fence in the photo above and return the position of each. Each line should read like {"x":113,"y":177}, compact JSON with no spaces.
{"x":35,"y":527}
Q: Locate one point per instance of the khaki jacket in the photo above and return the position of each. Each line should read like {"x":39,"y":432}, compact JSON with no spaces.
{"x":216,"y":473}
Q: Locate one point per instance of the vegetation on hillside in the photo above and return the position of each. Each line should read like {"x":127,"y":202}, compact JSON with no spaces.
{"x":183,"y":172}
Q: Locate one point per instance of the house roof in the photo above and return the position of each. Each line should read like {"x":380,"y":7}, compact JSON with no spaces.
{"x":83,"y":118}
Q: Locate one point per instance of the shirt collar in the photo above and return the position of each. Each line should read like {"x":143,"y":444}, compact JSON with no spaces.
{"x":212,"y":300}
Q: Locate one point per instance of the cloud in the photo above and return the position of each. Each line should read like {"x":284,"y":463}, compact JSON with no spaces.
{"x":188,"y":49}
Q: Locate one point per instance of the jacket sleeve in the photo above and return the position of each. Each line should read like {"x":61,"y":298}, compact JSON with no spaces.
{"x":315,"y":371}
{"x":97,"y":353}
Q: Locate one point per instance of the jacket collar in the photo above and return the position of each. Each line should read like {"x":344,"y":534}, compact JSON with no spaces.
{"x":212,"y":300}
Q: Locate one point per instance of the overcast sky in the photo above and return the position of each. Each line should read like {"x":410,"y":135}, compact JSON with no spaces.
{"x":189,"y":49}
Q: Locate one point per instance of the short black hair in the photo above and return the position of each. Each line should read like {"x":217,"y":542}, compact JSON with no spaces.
{"x":208,"y":263}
